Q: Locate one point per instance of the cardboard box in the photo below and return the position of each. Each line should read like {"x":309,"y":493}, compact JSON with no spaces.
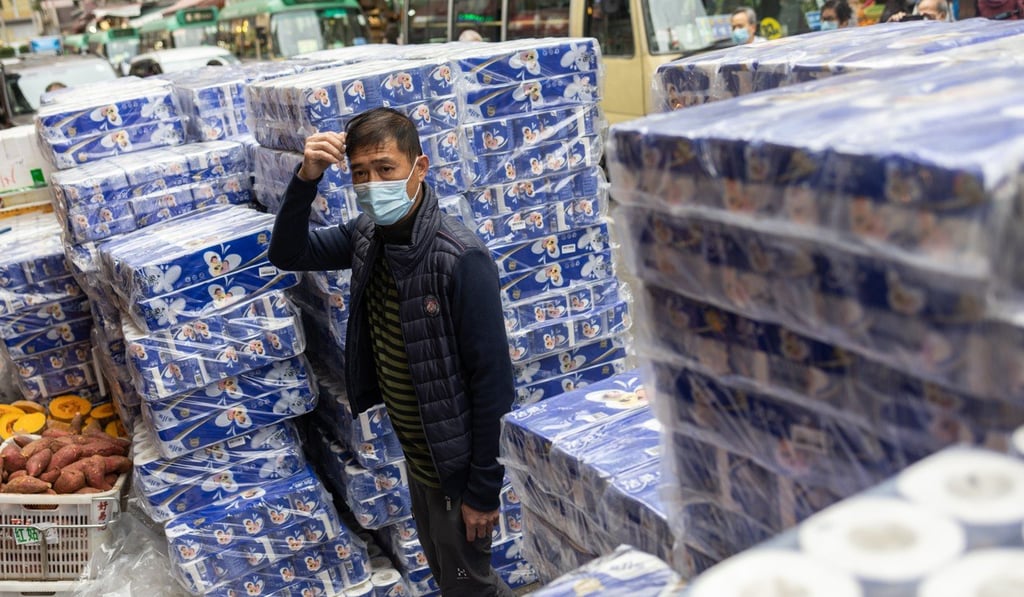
{"x":22,"y":165}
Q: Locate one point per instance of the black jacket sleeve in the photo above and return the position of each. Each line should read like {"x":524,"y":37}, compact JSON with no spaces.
{"x":487,"y":369}
{"x":294,"y":247}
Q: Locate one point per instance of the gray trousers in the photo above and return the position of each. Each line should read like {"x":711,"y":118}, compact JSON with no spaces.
{"x":461,"y":568}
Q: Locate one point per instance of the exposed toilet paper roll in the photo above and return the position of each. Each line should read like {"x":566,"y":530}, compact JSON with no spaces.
{"x":774,"y":573}
{"x":882,"y":541}
{"x":1017,"y":443}
{"x":385,"y":583}
{"x":363,"y":589}
{"x":983,"y":490}
{"x":984,"y":573}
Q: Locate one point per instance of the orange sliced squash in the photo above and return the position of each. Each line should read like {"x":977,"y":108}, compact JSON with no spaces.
{"x":29,"y":407}
{"x":103,"y":412}
{"x":115,"y":429}
{"x":7,"y":422}
{"x":30,"y":423}
{"x":9,"y":408}
{"x":66,"y":407}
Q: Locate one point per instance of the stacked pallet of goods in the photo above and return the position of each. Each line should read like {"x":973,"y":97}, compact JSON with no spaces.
{"x":830,"y":294}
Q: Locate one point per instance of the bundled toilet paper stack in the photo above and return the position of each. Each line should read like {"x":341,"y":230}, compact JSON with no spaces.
{"x":829,"y":299}
{"x":751,"y":68}
{"x":950,"y":525}
{"x":534,"y":134}
{"x":625,"y":571}
{"x":283,"y":537}
{"x":44,"y":314}
{"x":586,"y":466}
{"x":514,"y":136}
{"x":129,"y":116}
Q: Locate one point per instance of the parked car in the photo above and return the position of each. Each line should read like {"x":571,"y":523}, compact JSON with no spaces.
{"x":179,"y":59}
{"x":26,"y":79}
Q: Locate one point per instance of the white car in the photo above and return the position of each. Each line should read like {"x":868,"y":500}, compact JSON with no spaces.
{"x":179,"y":59}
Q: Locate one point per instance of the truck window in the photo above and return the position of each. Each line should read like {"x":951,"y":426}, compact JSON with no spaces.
{"x":611,"y":23}
{"x":538,"y":18}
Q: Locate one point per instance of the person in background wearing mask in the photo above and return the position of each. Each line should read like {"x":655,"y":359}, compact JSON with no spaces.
{"x":929,"y":10}
{"x":835,"y":14}
{"x":426,"y":333}
{"x":744,"y":26}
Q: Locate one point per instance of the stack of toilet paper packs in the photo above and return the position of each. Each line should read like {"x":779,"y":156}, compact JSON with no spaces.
{"x":587,"y":467}
{"x":831,"y":287}
{"x":44,"y":315}
{"x":625,"y":571}
{"x":951,"y":525}
{"x":514,"y":136}
{"x":747,"y":69}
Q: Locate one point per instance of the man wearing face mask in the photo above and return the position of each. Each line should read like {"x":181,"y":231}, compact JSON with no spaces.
{"x":744,"y":26}
{"x":426,"y":333}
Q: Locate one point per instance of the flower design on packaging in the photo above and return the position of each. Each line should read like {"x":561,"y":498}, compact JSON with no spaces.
{"x":234,"y":417}
{"x":527,"y":60}
{"x":107,"y":115}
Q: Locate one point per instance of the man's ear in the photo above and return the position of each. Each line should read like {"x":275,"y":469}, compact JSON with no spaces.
{"x":422,"y":165}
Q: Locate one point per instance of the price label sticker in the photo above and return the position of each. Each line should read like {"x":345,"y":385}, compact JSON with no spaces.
{"x":26,"y":536}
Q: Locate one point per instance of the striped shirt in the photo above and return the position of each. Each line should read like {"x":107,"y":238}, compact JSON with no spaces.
{"x":393,"y":374}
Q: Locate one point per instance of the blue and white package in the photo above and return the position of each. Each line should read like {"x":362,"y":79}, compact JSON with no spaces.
{"x":55,"y":383}
{"x":564,"y":91}
{"x":748,"y":69}
{"x":134,"y":103}
{"x":634,"y":512}
{"x":54,"y":360}
{"x":231,"y":538}
{"x":550,"y":249}
{"x":68,"y":154}
{"x":51,"y":337}
{"x":173,"y":487}
{"x":824,"y":552}
{"x":192,"y":249}
{"x":626,"y":571}
{"x":256,"y":332}
{"x":529,"y":433}
{"x":522,"y":60}
{"x":231,"y":407}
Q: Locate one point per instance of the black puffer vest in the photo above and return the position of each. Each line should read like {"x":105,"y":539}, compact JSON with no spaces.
{"x":423,"y":273}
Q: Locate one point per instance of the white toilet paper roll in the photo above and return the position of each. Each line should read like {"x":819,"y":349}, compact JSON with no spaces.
{"x":774,"y":573}
{"x":1017,"y":443}
{"x":385,"y":581}
{"x":983,"y":490}
{"x":984,"y":573}
{"x":885,"y":542}
{"x":363,"y":589}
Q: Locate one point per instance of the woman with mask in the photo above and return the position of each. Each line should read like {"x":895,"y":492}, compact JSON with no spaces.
{"x":836,"y":14}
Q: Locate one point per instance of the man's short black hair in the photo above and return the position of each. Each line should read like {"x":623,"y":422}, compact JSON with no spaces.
{"x":376,"y":127}
{"x":843,"y":10}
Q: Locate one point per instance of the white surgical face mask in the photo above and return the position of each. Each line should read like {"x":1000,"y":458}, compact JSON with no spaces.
{"x":740,"y":36}
{"x":385,"y":201}
{"x":829,"y":25}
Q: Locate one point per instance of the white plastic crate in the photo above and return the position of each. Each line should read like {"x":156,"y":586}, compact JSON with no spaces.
{"x":75,"y":525}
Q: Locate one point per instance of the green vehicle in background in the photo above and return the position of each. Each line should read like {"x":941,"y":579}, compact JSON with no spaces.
{"x":116,"y":45}
{"x":273,"y":29}
{"x":186,"y":28}
{"x":77,"y":43}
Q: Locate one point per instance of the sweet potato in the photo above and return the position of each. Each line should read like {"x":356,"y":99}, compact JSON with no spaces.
{"x":13,"y":460}
{"x":76,"y":423}
{"x":92,"y":427}
{"x":64,"y":456}
{"x":31,"y":449}
{"x":101,"y":449}
{"x":26,"y":484}
{"x":70,"y":481}
{"x":50,"y":491}
{"x":88,"y":490}
{"x":56,"y":433}
{"x":117,"y":464}
{"x":110,"y":478}
{"x":16,"y":474}
{"x":50,"y":476}
{"x":23,"y":440}
{"x":38,"y":462}
{"x":103,"y":436}
{"x":93,"y":469}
